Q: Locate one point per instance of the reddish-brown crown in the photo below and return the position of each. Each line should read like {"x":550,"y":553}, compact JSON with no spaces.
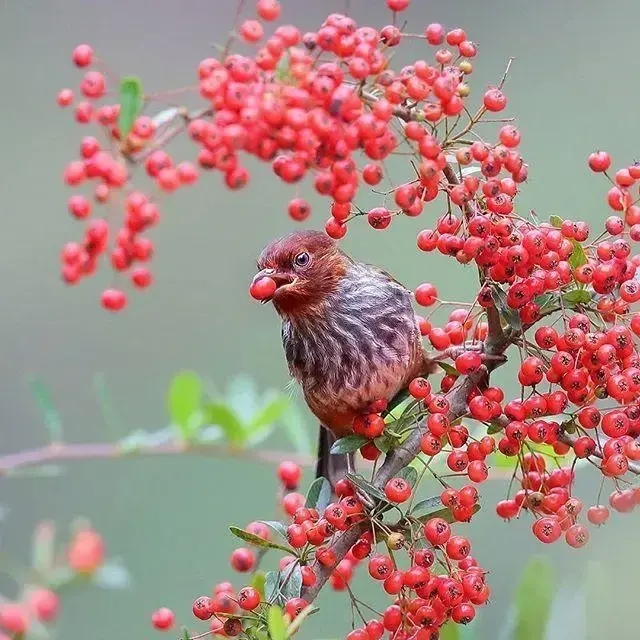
{"x":312,"y":282}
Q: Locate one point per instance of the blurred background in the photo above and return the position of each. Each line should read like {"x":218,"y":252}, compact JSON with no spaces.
{"x":573,"y":87}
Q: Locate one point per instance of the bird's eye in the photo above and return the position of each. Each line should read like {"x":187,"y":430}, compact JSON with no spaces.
{"x":302,"y":259}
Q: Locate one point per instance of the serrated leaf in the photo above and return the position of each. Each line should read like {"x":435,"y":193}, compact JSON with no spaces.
{"x":43,"y":547}
{"x":577,"y":296}
{"x":258,"y":581}
{"x":556,"y":221}
{"x":348,"y":444}
{"x":410,"y":474}
{"x":276,"y":624}
{"x":131,"y":100}
{"x":366,"y":487}
{"x":112,"y":575}
{"x":52,"y":418}
{"x":511,"y":316}
{"x":448,"y":369}
{"x":533,"y":599}
{"x":279,"y":527}
{"x":578,"y":257}
{"x":184,"y":400}
{"x":257,"y":541}
{"x":319,"y":494}
{"x":221,"y":415}
{"x":294,"y":423}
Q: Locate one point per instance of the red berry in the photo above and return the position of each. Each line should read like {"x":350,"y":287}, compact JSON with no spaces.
{"x":82,"y":55}
{"x":44,"y":604}
{"x":599,"y":161}
{"x":494,"y":100}
{"x":289,"y":474}
{"x":202,"y":607}
{"x":64,"y":97}
{"x":299,"y":209}
{"x":263,"y":289}
{"x":13,"y":618}
{"x":268,"y":9}
{"x":163,"y":619}
{"x":113,"y":299}
{"x":248,"y":598}
{"x":437,"y":531}
{"x":397,"y":490}
{"x":243,"y":560}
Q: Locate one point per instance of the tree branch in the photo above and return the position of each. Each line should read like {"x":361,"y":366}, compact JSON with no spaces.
{"x":57,"y":452}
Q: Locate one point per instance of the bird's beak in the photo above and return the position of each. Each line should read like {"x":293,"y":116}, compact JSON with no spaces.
{"x":281,"y":279}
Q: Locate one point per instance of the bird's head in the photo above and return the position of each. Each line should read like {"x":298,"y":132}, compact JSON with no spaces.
{"x":306,"y":267}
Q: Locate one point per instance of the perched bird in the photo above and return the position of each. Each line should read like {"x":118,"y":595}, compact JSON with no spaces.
{"x":349,"y":332}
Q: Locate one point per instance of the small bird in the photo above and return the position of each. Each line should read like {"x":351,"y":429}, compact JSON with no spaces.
{"x":349,"y":332}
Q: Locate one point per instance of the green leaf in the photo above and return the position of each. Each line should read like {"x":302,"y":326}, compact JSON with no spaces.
{"x":242,"y":397}
{"x":185,"y":634}
{"x":426,"y":506}
{"x":257,"y":541}
{"x":432,"y":508}
{"x":276,"y":526}
{"x":366,"y":487}
{"x":494,"y":427}
{"x":43,"y":547}
{"x":281,"y":586}
{"x":450,"y":631}
{"x":293,"y":422}
{"x":386,"y":442}
{"x":504,"y":462}
{"x":578,"y":257}
{"x":348,"y":444}
{"x":410,"y":474}
{"x":511,"y":316}
{"x":221,"y":415}
{"x":257,"y":582}
{"x":59,"y":577}
{"x":112,"y":575}
{"x":276,"y":624}
{"x":131,"y":100}
{"x":270,"y":412}
{"x":448,"y":369}
{"x":556,"y":221}
{"x":543,"y":300}
{"x":52,"y":418}
{"x":577,"y":296}
{"x":533,"y":600}
{"x":397,"y":400}
{"x":319,"y":494}
{"x":300,"y":618}
{"x":271,"y":582}
{"x":184,"y":402}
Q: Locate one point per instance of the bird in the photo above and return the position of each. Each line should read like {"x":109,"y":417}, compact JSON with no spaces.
{"x":350,"y":334}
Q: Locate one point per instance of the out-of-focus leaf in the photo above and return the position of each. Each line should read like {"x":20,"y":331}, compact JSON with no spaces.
{"x":257,"y":582}
{"x":112,"y":575}
{"x":131,"y":99}
{"x":184,"y":400}
{"x":242,"y":397}
{"x":319,"y":494}
{"x":165,"y":116}
{"x":43,"y":546}
{"x":270,"y":412}
{"x":568,"y":616}
{"x":210,"y":434}
{"x":257,"y":541}
{"x":577,"y":296}
{"x":450,"y":631}
{"x":578,"y":257}
{"x":555,"y":221}
{"x":293,"y":422}
{"x":52,"y":418}
{"x":221,"y":415}
{"x":498,"y":459}
{"x":409,"y":474}
{"x":59,"y":577}
{"x":348,"y":444}
{"x":276,"y":624}
{"x":534,"y":596}
{"x":140,"y":439}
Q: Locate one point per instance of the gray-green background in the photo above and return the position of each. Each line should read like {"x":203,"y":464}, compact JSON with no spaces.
{"x":573,"y":87}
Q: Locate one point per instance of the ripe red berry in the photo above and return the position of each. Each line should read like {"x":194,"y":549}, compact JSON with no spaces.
{"x":13,"y":618}
{"x":268,"y":10}
{"x":64,"y":97}
{"x":437,"y":531}
{"x":397,"y":490}
{"x":289,"y":474}
{"x":599,"y":161}
{"x":248,"y":598}
{"x":494,"y":100}
{"x":113,"y":299}
{"x":163,"y":619}
{"x":82,"y":55}
{"x":44,"y":604}
{"x":243,"y":560}
{"x":263,"y":289}
{"x":202,"y":608}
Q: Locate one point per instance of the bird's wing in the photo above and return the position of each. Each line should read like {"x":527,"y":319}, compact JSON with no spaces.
{"x":387,"y":275}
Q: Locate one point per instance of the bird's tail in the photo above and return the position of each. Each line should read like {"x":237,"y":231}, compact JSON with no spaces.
{"x":331,"y":466}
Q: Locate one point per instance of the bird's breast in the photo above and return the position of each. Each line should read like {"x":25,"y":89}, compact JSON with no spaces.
{"x":361,"y":346}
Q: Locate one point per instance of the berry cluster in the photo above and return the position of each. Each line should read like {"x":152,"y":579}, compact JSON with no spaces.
{"x":441,"y":582}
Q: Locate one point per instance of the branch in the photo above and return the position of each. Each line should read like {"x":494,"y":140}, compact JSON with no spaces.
{"x":570,"y":440}
{"x":57,"y":452}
